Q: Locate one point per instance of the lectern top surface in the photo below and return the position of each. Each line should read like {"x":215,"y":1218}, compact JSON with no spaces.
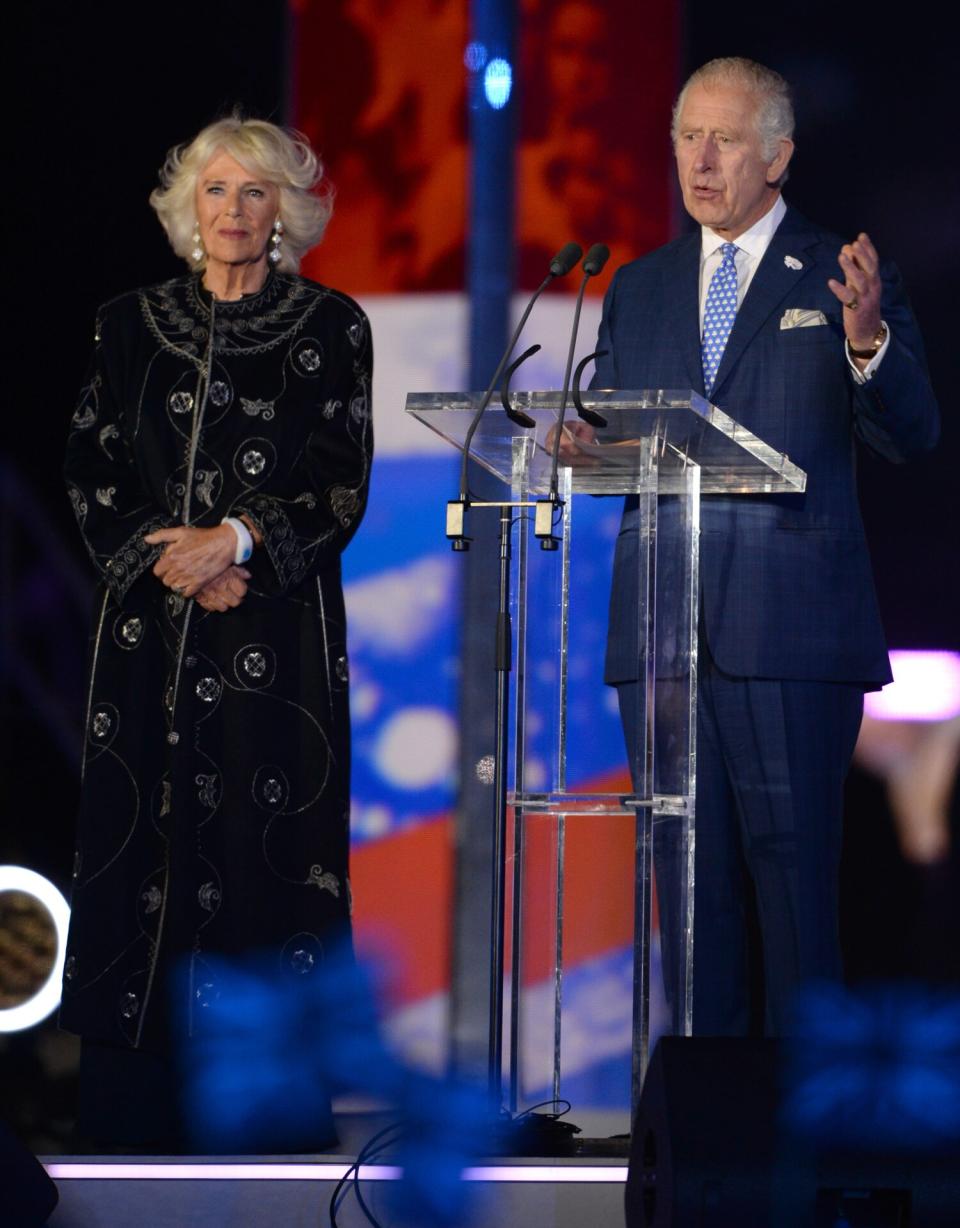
{"x":651,"y":439}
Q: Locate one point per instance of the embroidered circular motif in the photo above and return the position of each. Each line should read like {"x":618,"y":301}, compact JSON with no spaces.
{"x":220,"y":393}
{"x":255,"y":663}
{"x":208,"y":689}
{"x":181,"y":402}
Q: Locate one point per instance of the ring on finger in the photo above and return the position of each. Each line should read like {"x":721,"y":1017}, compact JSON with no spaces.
{"x":853,"y":304}
{"x":178,"y":589}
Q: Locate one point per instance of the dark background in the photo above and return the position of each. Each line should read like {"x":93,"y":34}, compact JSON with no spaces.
{"x":97,"y":96}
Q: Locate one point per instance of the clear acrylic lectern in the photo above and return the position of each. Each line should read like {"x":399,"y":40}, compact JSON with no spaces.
{"x":667,"y":449}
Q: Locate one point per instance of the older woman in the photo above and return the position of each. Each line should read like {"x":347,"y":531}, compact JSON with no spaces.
{"x":218,"y":465}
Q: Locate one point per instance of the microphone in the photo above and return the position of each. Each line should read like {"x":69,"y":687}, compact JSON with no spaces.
{"x":596,"y":258}
{"x":560,"y":265}
{"x":566,"y":258}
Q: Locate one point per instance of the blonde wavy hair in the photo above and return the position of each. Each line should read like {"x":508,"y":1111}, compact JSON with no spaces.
{"x":281,"y":156}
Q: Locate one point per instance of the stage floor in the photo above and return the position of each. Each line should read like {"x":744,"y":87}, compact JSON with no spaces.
{"x":295,"y":1191}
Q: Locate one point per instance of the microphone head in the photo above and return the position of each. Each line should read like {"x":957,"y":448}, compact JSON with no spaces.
{"x":565,"y":259}
{"x":597,"y":257}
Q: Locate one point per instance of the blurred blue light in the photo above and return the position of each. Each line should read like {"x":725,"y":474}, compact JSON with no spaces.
{"x":875,"y":1069}
{"x":497,"y":83}
{"x":475,"y":56}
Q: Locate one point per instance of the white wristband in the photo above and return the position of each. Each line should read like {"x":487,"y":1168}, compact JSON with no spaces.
{"x":244,"y":540}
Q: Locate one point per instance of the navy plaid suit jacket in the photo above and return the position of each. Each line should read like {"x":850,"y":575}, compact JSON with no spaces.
{"x":786,"y":585}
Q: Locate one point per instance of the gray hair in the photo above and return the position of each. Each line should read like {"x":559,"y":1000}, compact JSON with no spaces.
{"x":281,"y":156}
{"x":774,"y":103}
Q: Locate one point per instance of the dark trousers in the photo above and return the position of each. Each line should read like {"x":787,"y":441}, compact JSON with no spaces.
{"x":771,"y":760}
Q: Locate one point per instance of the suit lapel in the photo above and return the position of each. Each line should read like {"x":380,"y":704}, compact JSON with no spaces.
{"x":682,"y":314}
{"x":772,"y":282}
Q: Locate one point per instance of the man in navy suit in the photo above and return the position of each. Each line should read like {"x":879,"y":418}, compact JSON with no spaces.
{"x":808,"y":341}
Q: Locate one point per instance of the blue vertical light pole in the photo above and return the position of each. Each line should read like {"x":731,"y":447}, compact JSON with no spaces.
{"x":490,"y":60}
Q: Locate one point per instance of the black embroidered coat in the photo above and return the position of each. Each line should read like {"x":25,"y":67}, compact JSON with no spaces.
{"x":215,"y":799}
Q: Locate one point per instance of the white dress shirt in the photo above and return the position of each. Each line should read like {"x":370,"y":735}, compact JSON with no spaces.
{"x":751,"y":246}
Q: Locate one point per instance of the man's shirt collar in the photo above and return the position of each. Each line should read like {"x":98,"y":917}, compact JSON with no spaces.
{"x":754,"y":241}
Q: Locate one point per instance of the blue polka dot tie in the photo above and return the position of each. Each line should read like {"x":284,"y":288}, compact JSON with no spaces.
{"x":718,"y":315}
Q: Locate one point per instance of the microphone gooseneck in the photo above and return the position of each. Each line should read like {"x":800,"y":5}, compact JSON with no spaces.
{"x":595,"y":259}
{"x":560,"y":265}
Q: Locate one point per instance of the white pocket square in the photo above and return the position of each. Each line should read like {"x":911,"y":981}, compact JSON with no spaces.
{"x":802,"y":317}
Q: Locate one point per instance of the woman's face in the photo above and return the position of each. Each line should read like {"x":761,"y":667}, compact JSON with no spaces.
{"x":235,"y":211}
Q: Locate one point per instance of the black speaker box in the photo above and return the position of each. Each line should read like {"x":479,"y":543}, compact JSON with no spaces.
{"x":27,"y":1195}
{"x":708,"y":1151}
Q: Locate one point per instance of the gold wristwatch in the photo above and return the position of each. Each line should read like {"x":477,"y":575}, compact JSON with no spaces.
{"x":875,"y":344}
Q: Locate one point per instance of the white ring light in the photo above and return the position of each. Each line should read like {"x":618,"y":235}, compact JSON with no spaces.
{"x":47,"y":997}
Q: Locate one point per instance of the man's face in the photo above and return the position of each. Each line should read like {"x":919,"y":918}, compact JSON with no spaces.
{"x":726,"y":183}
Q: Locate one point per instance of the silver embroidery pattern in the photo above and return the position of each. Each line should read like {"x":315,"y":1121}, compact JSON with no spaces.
{"x":79,"y":504}
{"x":166,"y":791}
{"x":310,"y":360}
{"x":105,"y":495}
{"x":302,"y":961}
{"x":209,"y":792}
{"x":271,"y":788}
{"x":220,"y":393}
{"x":206,"y":994}
{"x":205,"y":479}
{"x":342,"y":669}
{"x":264,"y":408}
{"x":84,"y":417}
{"x":70,"y":968}
{"x":152,"y":898}
{"x":132,"y":630}
{"x":253,"y":462}
{"x":326,"y":881}
{"x":181,"y":402}
{"x":345,"y":504}
{"x":108,"y":432}
{"x":129,"y":1005}
{"x":128,"y":631}
{"x":100,"y":724}
{"x":301,"y":953}
{"x":358,"y":405}
{"x":255,"y":664}
{"x":208,"y":689}
{"x":209,"y":897}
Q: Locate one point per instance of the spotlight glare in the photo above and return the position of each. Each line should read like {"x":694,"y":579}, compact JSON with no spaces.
{"x":497,"y":83}
{"x":475,"y":56}
{"x":925,"y":687}
{"x":47,"y":997}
